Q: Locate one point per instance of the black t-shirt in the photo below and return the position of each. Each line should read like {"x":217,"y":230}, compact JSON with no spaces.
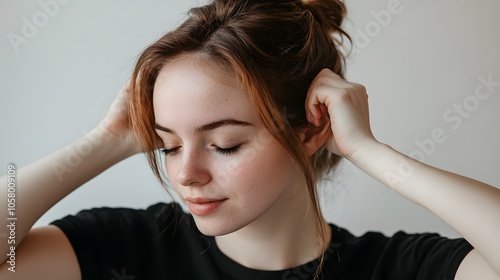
{"x":163,"y":242}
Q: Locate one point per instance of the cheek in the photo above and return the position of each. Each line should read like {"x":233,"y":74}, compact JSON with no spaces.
{"x":258,"y":171}
{"x":171,"y":168}
{"x":167,"y":168}
{"x":231,"y":172}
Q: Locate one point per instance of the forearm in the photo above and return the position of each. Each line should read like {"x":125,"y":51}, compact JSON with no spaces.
{"x":41,"y":184}
{"x":468,"y":206}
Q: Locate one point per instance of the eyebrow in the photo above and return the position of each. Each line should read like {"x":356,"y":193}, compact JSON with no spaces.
{"x":209,"y":126}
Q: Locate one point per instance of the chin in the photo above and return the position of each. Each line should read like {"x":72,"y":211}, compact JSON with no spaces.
{"x":212,"y":226}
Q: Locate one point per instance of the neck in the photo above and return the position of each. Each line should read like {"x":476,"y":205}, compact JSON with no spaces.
{"x":277,"y":241}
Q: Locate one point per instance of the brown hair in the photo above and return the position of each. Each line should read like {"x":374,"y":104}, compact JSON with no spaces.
{"x":276,"y":49}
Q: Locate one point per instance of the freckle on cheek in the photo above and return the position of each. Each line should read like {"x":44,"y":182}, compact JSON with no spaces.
{"x":251,"y":154}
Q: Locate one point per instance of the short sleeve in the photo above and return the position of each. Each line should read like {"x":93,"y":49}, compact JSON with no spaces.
{"x":421,"y":256}
{"x":118,"y":242}
{"x":375,"y":256}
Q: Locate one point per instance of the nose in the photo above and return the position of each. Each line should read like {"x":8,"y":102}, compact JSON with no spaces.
{"x":193,"y":171}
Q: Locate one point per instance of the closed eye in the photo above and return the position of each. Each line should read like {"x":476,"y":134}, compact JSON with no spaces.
{"x":222,"y":151}
{"x":228,"y":151}
{"x":167,"y":152}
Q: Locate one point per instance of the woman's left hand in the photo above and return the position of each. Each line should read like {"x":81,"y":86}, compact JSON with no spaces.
{"x":345,"y":105}
{"x":449,"y":196}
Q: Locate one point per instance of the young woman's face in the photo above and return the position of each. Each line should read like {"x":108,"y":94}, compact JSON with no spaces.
{"x":220,"y":159}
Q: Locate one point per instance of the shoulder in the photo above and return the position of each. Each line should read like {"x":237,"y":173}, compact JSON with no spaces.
{"x":107,"y":217}
{"x":398,"y":243}
{"x":404,"y":255}
{"x":108,"y":240}
{"x":155,"y":209}
{"x":126,"y":225}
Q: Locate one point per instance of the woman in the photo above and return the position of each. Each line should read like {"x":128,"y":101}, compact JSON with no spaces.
{"x":247,"y":103}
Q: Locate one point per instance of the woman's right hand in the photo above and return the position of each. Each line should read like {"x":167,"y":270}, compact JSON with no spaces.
{"x":49,"y":179}
{"x":117,"y":122}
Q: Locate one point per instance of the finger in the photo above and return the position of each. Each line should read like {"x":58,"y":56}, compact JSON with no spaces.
{"x":317,"y":103}
{"x":324,"y":109}
{"x":323,"y":85}
{"x":313,"y":109}
{"x":311,"y":106}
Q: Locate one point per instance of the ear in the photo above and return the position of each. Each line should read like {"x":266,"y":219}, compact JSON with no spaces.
{"x":314,"y":137}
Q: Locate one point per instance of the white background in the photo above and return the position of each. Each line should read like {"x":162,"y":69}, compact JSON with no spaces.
{"x":416,"y":65}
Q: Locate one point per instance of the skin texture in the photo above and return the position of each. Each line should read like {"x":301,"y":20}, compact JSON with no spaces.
{"x":254,"y":229}
{"x":259,"y":180}
{"x":252,"y":178}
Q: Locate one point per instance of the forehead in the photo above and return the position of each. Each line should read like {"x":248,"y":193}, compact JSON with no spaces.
{"x":190,"y":91}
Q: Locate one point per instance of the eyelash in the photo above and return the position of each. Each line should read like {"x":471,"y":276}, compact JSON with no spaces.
{"x":225,"y":151}
{"x":167,"y":152}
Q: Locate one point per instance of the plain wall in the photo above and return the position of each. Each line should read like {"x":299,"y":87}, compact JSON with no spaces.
{"x":419,"y":60}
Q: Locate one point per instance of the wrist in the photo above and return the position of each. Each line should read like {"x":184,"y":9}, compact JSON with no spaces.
{"x":366,"y":152}
{"x":119,"y":146}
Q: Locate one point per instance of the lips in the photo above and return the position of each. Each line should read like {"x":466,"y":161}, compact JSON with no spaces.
{"x":201,"y":200}
{"x":202,"y":206}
